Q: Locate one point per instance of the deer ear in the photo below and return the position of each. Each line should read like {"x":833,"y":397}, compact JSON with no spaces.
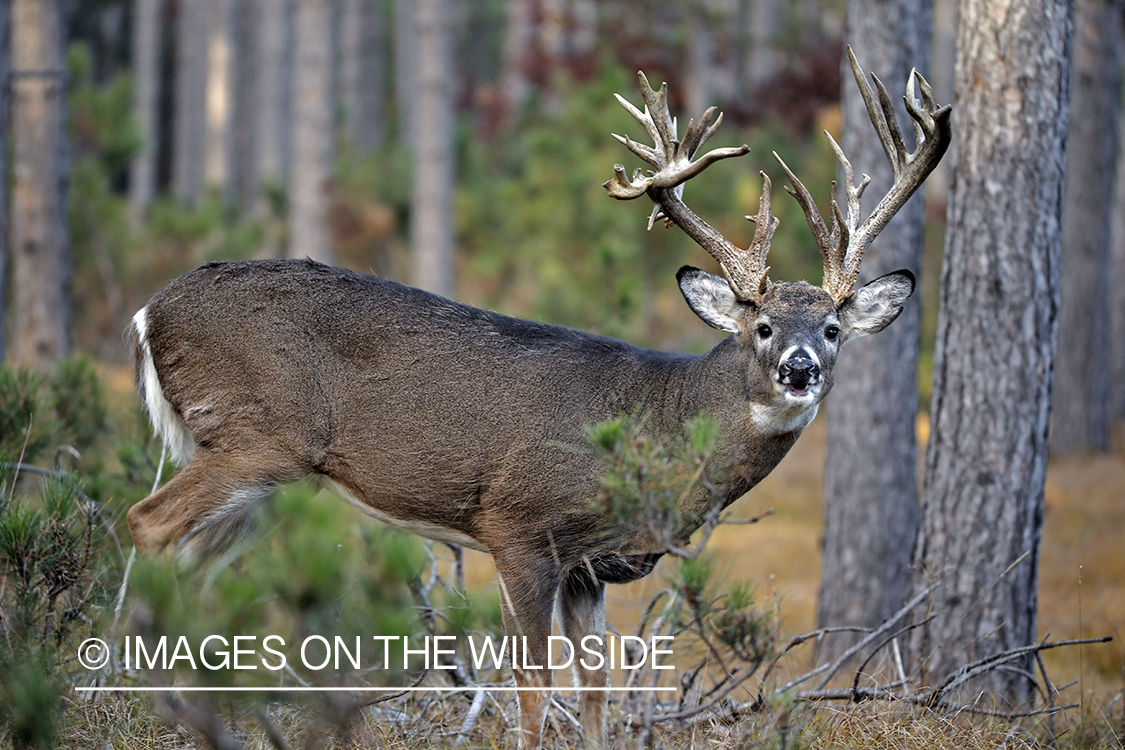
{"x":711,"y":298}
{"x":875,"y":305}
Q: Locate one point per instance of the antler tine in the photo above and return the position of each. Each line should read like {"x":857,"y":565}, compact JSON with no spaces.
{"x":842,"y":249}
{"x":675,"y":164}
{"x":765,"y":224}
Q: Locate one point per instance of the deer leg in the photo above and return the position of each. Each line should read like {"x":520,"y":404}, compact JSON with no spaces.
{"x":206,"y":507}
{"x":582,"y":614}
{"x":527,"y":598}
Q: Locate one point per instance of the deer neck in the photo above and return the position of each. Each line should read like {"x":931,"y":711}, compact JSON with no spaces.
{"x":757,"y":434}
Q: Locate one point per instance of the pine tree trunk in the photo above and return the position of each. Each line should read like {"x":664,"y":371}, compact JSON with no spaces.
{"x":273,"y":20}
{"x":244,"y":120}
{"x":5,"y":89}
{"x":431,"y":223}
{"x":871,"y":460}
{"x":311,"y":172}
{"x":363,"y":73}
{"x":218,"y":148}
{"x":1080,"y":413}
{"x":147,"y":41}
{"x":982,"y":502}
{"x":189,"y":128}
{"x":41,"y":268}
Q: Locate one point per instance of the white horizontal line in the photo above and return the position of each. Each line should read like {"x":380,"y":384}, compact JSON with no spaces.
{"x":304,"y":689}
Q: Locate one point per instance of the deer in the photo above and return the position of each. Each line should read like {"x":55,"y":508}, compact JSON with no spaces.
{"x":455,"y":423}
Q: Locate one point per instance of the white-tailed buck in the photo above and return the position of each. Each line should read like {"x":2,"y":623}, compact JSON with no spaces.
{"x":459,"y":424}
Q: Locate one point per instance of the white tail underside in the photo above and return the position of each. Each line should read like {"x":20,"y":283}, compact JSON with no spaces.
{"x":165,"y":421}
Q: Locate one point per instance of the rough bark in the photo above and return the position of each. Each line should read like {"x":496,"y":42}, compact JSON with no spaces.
{"x":431,"y":221}
{"x":312,"y":144}
{"x":40,"y":263}
{"x":982,"y":502}
{"x":871,"y":460}
{"x":1080,"y":413}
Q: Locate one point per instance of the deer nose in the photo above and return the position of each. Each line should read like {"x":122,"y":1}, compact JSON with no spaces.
{"x":798,"y":371}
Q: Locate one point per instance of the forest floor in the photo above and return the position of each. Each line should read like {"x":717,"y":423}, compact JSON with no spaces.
{"x":1081,"y":595}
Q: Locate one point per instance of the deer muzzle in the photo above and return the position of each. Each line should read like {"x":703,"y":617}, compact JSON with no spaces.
{"x":798,"y":373}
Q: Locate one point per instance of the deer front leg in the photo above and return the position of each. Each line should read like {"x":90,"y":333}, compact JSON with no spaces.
{"x":528,"y":588}
{"x":582,"y":614}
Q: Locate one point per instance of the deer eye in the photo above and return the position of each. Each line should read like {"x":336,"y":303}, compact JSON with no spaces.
{"x":765,"y":331}
{"x":831,"y":332}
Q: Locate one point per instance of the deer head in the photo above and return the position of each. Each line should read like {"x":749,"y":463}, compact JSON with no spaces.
{"x":790,"y":331}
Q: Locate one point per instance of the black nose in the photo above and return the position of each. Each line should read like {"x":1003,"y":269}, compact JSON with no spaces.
{"x":798,"y":371}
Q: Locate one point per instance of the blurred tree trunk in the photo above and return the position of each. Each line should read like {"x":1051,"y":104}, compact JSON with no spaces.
{"x":310,"y":174}
{"x":40,"y":263}
{"x":1117,"y":310}
{"x":1080,"y":415}
{"x":431,"y":221}
{"x":519,"y":48}
{"x":273,"y":20}
{"x":218,"y":148}
{"x":147,"y":43}
{"x":5,"y":90}
{"x":189,"y":127}
{"x":363,"y":73}
{"x":244,"y":121}
{"x":982,"y":500}
{"x":699,"y":75}
{"x":871,"y":458}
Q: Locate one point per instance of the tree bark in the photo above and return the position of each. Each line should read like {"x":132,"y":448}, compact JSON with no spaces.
{"x":871,"y":459}
{"x":218,"y":148}
{"x":1080,"y":416}
{"x":41,"y":267}
{"x":311,"y":173}
{"x":146,"y":67}
{"x":431,"y":222}
{"x":189,"y":128}
{"x":982,"y":502}
{"x":273,"y":20}
{"x":363,"y":73}
{"x":5,"y":89}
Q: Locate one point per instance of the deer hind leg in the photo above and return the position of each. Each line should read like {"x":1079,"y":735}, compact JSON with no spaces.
{"x":527,"y":600}
{"x":582,"y":614}
{"x":208,"y":506}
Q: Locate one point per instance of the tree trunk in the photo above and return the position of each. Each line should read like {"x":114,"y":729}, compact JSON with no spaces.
{"x":982,"y":502}
{"x":5,"y":89}
{"x":244,"y":120}
{"x":871,"y":459}
{"x":1117,"y":289}
{"x":218,"y":148}
{"x":1080,"y":415}
{"x":431,"y":222}
{"x":189,"y":128}
{"x":41,"y":266}
{"x":363,"y":73}
{"x":311,"y":173}
{"x":146,"y":67}
{"x":274,"y":47}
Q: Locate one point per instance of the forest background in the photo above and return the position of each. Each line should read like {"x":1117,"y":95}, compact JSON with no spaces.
{"x":460,"y":146}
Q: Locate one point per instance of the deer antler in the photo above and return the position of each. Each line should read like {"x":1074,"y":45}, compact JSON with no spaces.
{"x":842,"y":248}
{"x":673,"y":161}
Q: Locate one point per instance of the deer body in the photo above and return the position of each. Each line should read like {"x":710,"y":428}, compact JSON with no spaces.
{"x":469,"y":427}
{"x":453,"y":422}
